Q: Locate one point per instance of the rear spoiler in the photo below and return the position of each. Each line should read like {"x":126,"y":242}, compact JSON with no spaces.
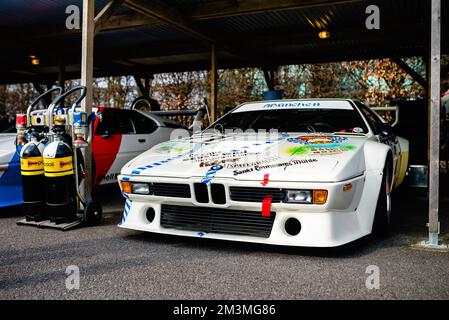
{"x":394,"y":108}
{"x":197,"y":121}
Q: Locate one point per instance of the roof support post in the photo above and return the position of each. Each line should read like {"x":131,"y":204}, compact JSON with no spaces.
{"x":87,"y":61}
{"x":61,"y":74}
{"x":434,"y":117}
{"x":417,"y":77}
{"x":213,"y":84}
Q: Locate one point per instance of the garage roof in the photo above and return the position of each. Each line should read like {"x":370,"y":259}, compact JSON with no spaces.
{"x":149,"y":36}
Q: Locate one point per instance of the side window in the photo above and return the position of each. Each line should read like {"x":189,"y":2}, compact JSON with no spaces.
{"x":115,"y":121}
{"x":142,"y":123}
{"x":372,"y":119}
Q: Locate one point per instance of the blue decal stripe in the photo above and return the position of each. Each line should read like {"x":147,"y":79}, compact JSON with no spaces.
{"x":126,"y":211}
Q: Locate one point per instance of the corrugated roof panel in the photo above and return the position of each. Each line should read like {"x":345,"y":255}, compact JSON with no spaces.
{"x":144,"y":35}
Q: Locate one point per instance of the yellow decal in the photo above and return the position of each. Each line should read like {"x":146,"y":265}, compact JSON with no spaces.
{"x":31,"y":166}
{"x":58,"y":165}
{"x":58,"y":174}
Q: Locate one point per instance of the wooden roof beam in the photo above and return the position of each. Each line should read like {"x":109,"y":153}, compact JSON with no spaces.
{"x":168,"y":15}
{"x":103,"y":16}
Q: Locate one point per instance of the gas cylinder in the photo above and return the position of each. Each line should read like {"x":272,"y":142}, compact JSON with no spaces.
{"x":32,"y":171}
{"x":61,"y":202}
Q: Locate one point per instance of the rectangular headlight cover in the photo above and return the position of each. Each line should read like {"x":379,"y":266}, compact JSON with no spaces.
{"x":299,"y":196}
{"x":140,"y":188}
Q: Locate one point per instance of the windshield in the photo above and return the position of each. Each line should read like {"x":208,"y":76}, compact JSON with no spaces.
{"x":294,"y":120}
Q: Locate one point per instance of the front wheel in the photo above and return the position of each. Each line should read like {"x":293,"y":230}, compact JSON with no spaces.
{"x":382,"y":217}
{"x":92,"y":213}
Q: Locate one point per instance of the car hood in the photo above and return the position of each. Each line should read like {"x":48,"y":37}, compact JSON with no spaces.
{"x":287,"y":157}
{"x":7,"y":148}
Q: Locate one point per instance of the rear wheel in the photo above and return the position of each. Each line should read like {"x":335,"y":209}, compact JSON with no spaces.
{"x":381,"y":224}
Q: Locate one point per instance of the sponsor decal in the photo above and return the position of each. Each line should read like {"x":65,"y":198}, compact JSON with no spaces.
{"x":292,"y":162}
{"x":210,"y":174}
{"x":31,"y":166}
{"x":33,"y":163}
{"x":58,"y":167}
{"x":222,"y":158}
{"x":171,"y":148}
{"x":324,"y":141}
{"x":111,"y":177}
{"x":292,"y":104}
{"x":250,"y":164}
{"x":318,"y":145}
{"x":63,"y":164}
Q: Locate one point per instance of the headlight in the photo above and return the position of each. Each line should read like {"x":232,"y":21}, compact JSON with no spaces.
{"x":306,"y":196}
{"x":140,"y":188}
{"x":299,"y":196}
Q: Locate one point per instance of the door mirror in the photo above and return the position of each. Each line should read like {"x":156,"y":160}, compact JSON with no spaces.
{"x":105,"y":135}
{"x":386,"y":130}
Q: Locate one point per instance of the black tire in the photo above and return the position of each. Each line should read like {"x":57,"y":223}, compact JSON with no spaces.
{"x":92,"y":213}
{"x":382,"y":217}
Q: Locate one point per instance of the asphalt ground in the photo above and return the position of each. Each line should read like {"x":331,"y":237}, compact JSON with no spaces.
{"x":119,"y":264}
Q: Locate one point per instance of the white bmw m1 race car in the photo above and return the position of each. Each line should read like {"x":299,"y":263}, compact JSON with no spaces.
{"x":314,"y":173}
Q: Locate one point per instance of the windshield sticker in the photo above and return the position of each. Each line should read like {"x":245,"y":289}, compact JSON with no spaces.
{"x":357,"y":130}
{"x":292,"y":104}
{"x":295,"y":104}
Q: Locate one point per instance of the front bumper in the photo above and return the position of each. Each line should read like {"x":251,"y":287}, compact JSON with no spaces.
{"x":345,"y":217}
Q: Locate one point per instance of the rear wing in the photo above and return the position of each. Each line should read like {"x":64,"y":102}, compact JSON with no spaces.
{"x":394,"y":109}
{"x":197,"y":114}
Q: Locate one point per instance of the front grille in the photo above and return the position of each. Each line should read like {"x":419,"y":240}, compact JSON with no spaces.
{"x":217,"y":220}
{"x":201,"y":193}
{"x":218,"y":193}
{"x":170,"y":190}
{"x":255,"y":194}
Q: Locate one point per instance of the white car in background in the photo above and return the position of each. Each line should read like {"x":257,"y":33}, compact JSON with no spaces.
{"x":324,"y":180}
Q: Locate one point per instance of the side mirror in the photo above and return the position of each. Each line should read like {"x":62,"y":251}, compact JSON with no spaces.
{"x":105,"y":135}
{"x":386,"y":130}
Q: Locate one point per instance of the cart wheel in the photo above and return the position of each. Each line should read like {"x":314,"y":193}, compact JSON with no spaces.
{"x":92,"y":213}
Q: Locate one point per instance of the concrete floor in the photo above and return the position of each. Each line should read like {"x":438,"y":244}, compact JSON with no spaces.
{"x":120,"y":264}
